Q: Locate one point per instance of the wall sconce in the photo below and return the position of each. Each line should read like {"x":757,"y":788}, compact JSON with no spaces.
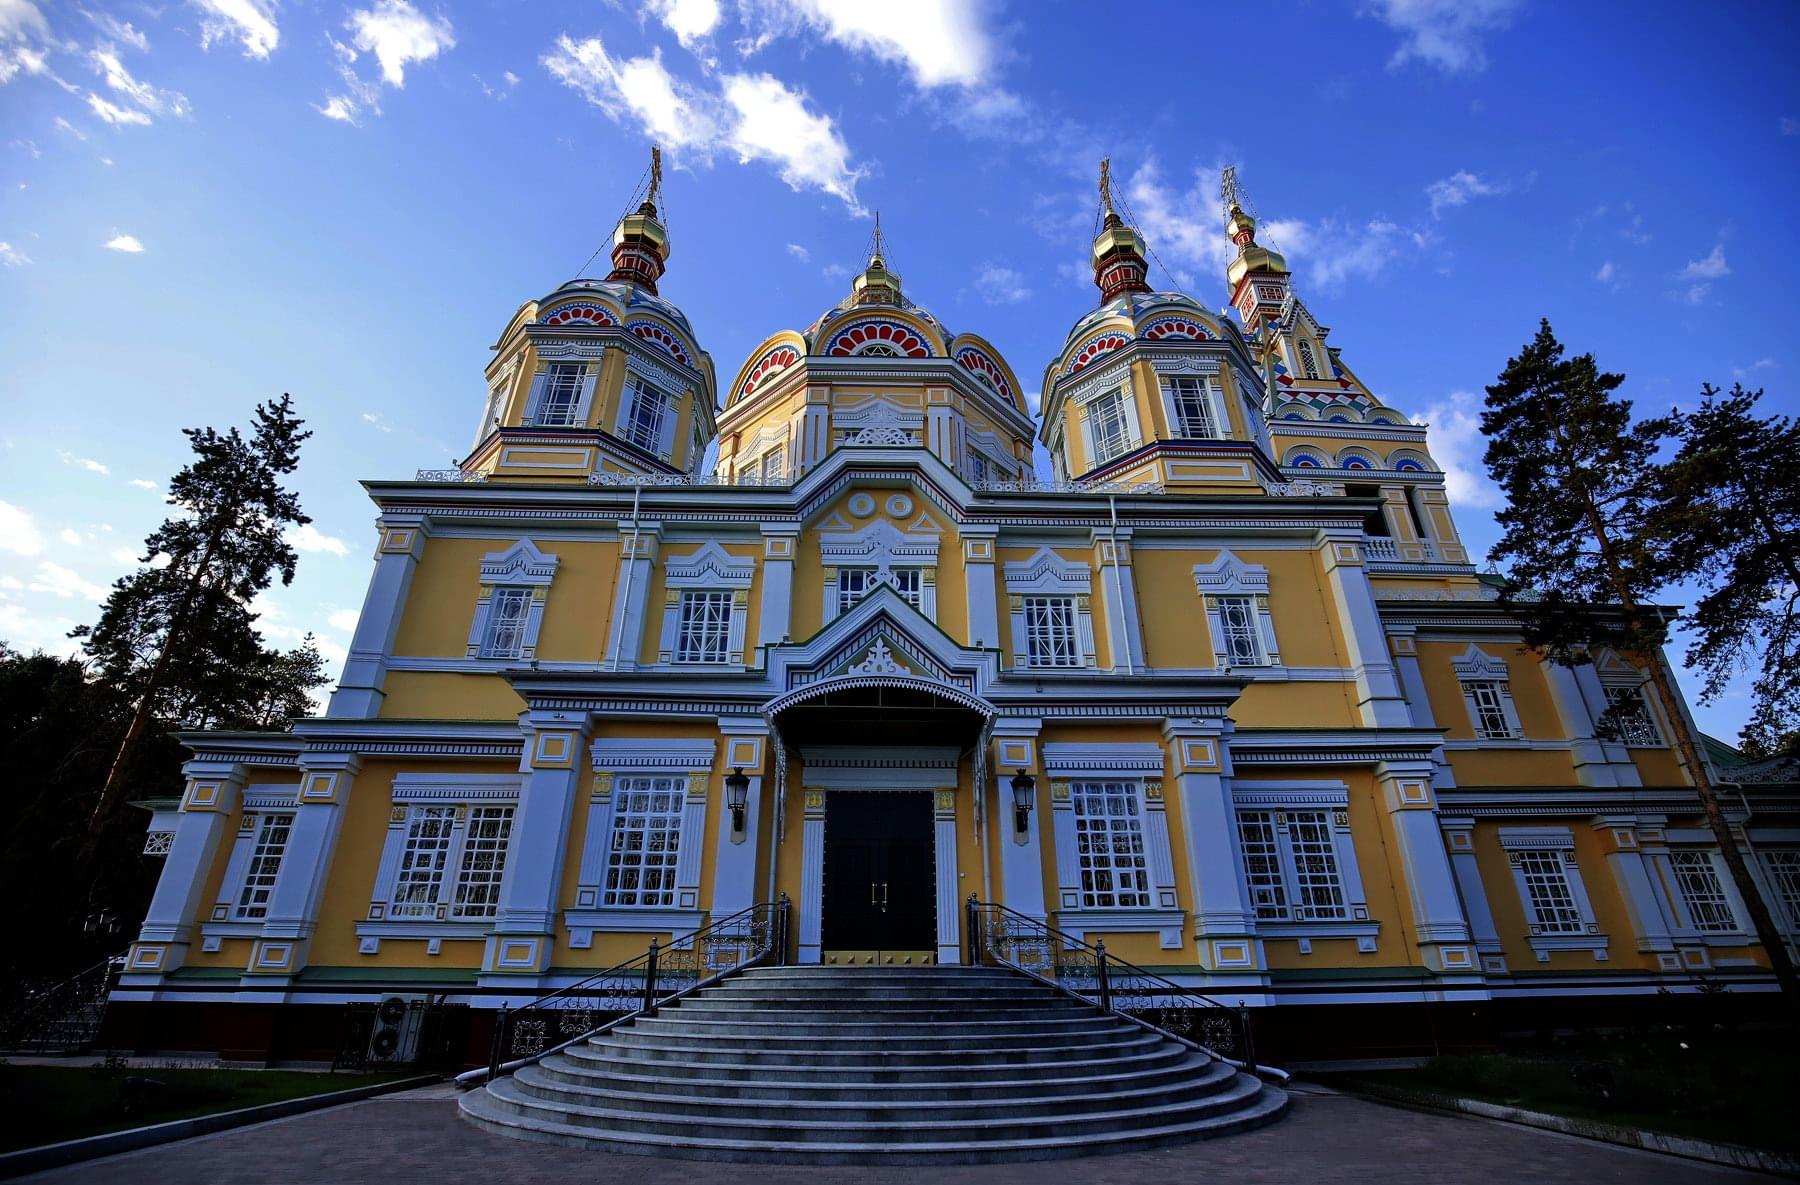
{"x":737,"y":797}
{"x":1024,"y":788}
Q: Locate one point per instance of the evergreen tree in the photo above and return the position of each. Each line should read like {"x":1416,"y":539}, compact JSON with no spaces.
{"x":1582,"y":543}
{"x":176,"y":637}
{"x":1729,"y":509}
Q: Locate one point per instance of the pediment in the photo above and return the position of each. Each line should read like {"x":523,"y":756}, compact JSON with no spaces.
{"x":882,"y":635}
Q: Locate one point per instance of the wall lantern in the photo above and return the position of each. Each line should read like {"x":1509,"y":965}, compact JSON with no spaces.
{"x":737,"y":797}
{"x":1024,"y":788}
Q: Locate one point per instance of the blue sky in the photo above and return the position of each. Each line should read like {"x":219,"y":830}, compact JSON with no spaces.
{"x":206,"y":202}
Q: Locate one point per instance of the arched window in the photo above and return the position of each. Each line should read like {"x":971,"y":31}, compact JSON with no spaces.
{"x":1309,"y":365}
{"x":1339,"y":420}
{"x":1355,"y":463}
{"x":1305,"y":461}
{"x":1408,"y":465}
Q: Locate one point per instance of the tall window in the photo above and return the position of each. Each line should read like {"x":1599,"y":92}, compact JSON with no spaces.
{"x":272,"y":831}
{"x":506,"y":623}
{"x":1291,"y":865}
{"x":1050,"y":638}
{"x":856,"y":583}
{"x":1309,"y":363}
{"x":1783,"y":865}
{"x":774,"y":466}
{"x":1697,"y":877}
{"x":1631,"y":716}
{"x":980,"y":469}
{"x":561,"y":394}
{"x":705,"y":628}
{"x":1242,"y":632}
{"x":644,"y":424}
{"x":1548,"y":898}
{"x":483,"y":861}
{"x":1109,"y":840}
{"x":1192,"y":400}
{"x":1491,"y":721}
{"x":423,"y":861}
{"x":1107,"y":426}
{"x":646,"y":835}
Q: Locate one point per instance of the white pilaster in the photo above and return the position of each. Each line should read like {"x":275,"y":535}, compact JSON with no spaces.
{"x":631,"y":594}
{"x":325,"y":784}
{"x":979,"y":584}
{"x":1221,"y":898}
{"x":779,"y":546}
{"x":1459,"y":837}
{"x":812,"y":873}
{"x":1378,"y":688}
{"x":1021,"y":860}
{"x":359,"y":691}
{"x":1646,"y":904}
{"x":949,"y":915}
{"x":1124,"y":629}
{"x":744,"y":745}
{"x":525,"y":923}
{"x":1441,"y":928}
{"x":207,"y":806}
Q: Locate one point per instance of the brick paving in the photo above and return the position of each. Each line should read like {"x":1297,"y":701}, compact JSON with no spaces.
{"x":417,"y":1137}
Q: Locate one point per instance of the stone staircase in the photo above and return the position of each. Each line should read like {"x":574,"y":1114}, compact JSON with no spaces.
{"x":875,"y":1065}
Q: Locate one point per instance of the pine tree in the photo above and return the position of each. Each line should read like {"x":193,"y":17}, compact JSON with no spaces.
{"x":1729,"y":509}
{"x":1582,"y":545}
{"x":176,"y":637}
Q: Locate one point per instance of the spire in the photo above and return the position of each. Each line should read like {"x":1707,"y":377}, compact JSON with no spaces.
{"x":1119,"y":265}
{"x":1261,"y":301}
{"x":640,"y":244}
{"x":876,"y":285}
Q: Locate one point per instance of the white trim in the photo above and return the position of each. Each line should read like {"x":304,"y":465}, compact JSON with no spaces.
{"x":521,"y":566}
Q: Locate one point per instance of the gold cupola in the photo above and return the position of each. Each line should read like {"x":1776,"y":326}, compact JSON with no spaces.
{"x":1118,"y":257}
{"x":1240,"y":228}
{"x":641,"y":243}
{"x":876,"y":284}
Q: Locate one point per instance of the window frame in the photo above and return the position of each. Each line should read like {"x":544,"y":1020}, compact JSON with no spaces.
{"x":1131,"y":863}
{"x":1648,"y":732}
{"x":1179,"y":390}
{"x":693,"y":648}
{"x":498,"y":622}
{"x":645,"y":393}
{"x":551,"y":393}
{"x":520,"y":569}
{"x":671,"y":817}
{"x":1046,"y":605}
{"x":1707,"y":863}
{"x":1118,"y":427}
{"x":405,"y":897}
{"x":262,"y":866}
{"x":1298,"y":884}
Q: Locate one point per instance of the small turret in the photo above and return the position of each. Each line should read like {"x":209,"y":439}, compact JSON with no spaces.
{"x":1258,"y":278}
{"x":1119,"y":265}
{"x":876,"y":284}
{"x":641,"y":244}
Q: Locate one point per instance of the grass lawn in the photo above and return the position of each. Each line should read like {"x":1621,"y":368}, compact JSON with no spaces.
{"x":48,"y":1104}
{"x":1729,"y":1088}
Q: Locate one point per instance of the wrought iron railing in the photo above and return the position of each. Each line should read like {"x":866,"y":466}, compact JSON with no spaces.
{"x":998,"y":935}
{"x":63,"y":1017}
{"x":636,"y":987}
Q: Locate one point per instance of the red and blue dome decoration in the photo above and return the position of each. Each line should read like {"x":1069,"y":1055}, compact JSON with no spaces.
{"x":978,"y":362}
{"x":1174,"y":329}
{"x":903,"y":339}
{"x":656,"y":335}
{"x":1105,"y":343}
{"x":776,"y":359}
{"x":578,"y":312}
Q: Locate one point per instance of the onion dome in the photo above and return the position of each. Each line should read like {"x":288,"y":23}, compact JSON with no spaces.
{"x":640,"y":243}
{"x":1240,"y":228}
{"x":1119,"y":266}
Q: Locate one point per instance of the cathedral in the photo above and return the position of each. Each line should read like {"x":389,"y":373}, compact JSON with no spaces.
{"x":1224,"y":690}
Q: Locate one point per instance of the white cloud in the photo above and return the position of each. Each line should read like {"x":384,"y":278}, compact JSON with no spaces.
{"x":339,"y":107}
{"x":1713,"y":267}
{"x":11,"y":256}
{"x":249,"y":22}
{"x":1696,"y":293}
{"x":1457,"y":445}
{"x":1457,"y":189}
{"x":637,"y":89}
{"x":773,"y":124}
{"x":1744,"y":372}
{"x":1001,"y":285}
{"x":1607,"y":273}
{"x":149,"y":99}
{"x":87,"y":463}
{"x":375,"y":420}
{"x":63,"y":125}
{"x":70,"y":536}
{"x":59,"y":581}
{"x":126,"y":243}
{"x":939,"y":42}
{"x":511,"y":78}
{"x":114,"y":114}
{"x":142,"y":483}
{"x":125,"y":557}
{"x":118,"y":30}
{"x":799,"y":252}
{"x":18,"y":532}
{"x":343,"y":619}
{"x":1789,"y":126}
{"x":1442,"y":33}
{"x":1181,"y":226}
{"x":397,"y":33}
{"x":20,"y":19}
{"x":310,"y":538}
{"x":692,"y":21}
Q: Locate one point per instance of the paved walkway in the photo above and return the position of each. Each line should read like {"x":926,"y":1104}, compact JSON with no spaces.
{"x":417,"y":1137}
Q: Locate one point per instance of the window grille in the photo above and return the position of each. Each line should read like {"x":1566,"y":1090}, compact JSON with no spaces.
{"x":1109,"y":841}
{"x":1106,"y":423}
{"x":646,"y":838}
{"x":272,"y":832}
{"x":1783,"y":865}
{"x":774,"y":466}
{"x":644,"y":426}
{"x":1242,"y":633}
{"x":422,"y":862}
{"x":505,"y":636}
{"x":1291,"y":856}
{"x":856,"y":583}
{"x":1491,"y":721}
{"x":1050,"y":639}
{"x":1309,"y":363}
{"x":979,"y":468}
{"x":561,"y":394}
{"x":1631,"y":716}
{"x":483,"y":862}
{"x":705,"y":632}
{"x":1698,"y":879}
{"x":1192,"y":400}
{"x":1262,"y":864}
{"x":1319,"y":893}
{"x":1548,"y":896}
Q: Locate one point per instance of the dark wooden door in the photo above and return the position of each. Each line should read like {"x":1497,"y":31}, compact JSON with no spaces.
{"x":879,"y":872}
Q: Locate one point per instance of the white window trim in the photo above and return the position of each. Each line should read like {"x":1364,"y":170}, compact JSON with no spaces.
{"x":1516,"y":840}
{"x":1476,"y":665}
{"x":1634,"y":684}
{"x":584,"y":401}
{"x":641,"y":376}
{"x":1684,"y":914}
{"x":1331,"y":797}
{"x":520,"y":566}
{"x":258,"y":800}
{"x":461,"y":793}
{"x":1787,"y":917}
{"x":710,"y":569}
{"x":1142,"y":765}
{"x":1228,"y":576}
{"x":1209,"y":392}
{"x":1048,"y":574}
{"x":884,"y":547}
{"x":1113,"y":380}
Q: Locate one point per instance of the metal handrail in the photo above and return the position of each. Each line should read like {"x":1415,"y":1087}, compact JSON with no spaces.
{"x":1115,"y":983}
{"x":40,"y":1017}
{"x":643,"y":979}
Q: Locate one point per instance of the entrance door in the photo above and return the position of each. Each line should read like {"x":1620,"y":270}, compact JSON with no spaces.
{"x":880,"y":878}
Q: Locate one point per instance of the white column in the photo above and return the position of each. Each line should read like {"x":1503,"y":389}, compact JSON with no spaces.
{"x":359,"y":691}
{"x":1224,"y":917}
{"x":1631,"y":871}
{"x":1593,"y":761}
{"x":1438,"y":919}
{"x":525,"y":923}
{"x":949,"y":914}
{"x":207,"y":805}
{"x":1459,"y":837}
{"x":812,"y":873}
{"x":1021,"y":860}
{"x":744,"y":745}
{"x":631,"y":594}
{"x":779,"y":546}
{"x":979,"y":584}
{"x":325,"y":784}
{"x":1378,"y":688}
{"x":1124,"y":629}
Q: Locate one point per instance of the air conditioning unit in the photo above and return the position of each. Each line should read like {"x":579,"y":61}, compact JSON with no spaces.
{"x":394,"y":1037}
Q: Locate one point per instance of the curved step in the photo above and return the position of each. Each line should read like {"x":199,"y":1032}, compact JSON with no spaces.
{"x":1153,"y":1055}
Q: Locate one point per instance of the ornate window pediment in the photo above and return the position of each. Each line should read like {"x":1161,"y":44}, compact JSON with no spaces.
{"x":858,"y":562}
{"x":509,"y":608}
{"x":1236,"y":597}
